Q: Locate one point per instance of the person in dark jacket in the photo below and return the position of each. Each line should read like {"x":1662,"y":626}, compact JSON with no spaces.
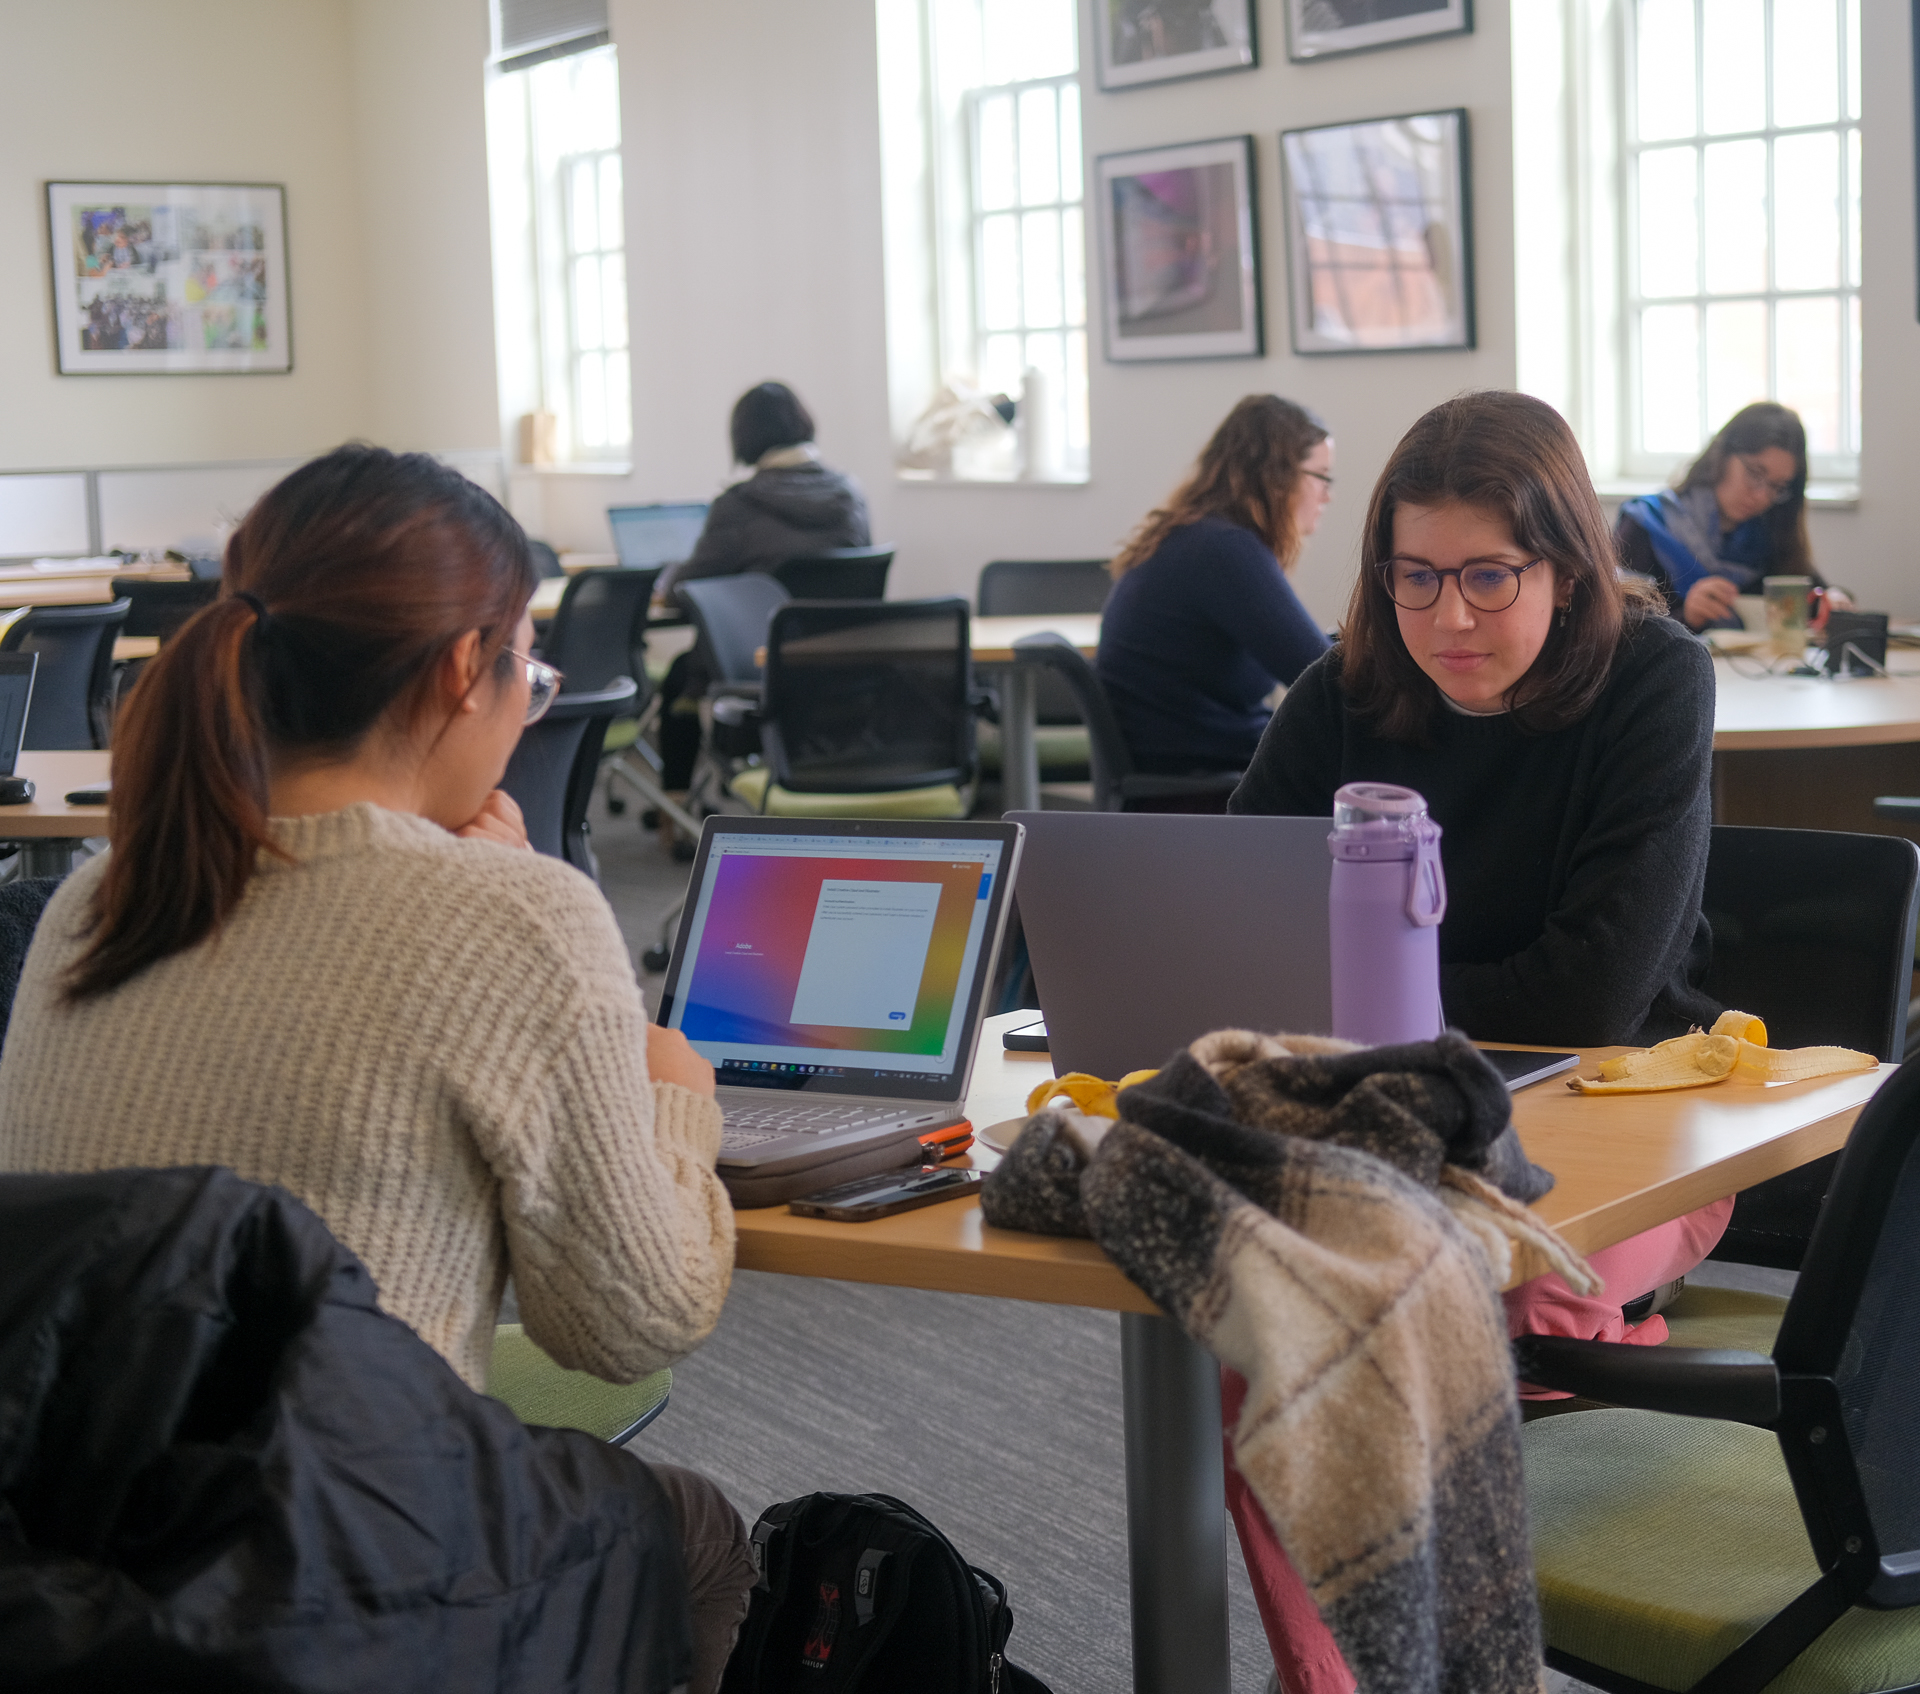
{"x":790,"y":506}
{"x":224,"y":1466}
{"x":1202,"y":623}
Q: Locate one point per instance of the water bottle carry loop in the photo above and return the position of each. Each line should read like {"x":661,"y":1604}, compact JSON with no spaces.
{"x":1427,"y":886}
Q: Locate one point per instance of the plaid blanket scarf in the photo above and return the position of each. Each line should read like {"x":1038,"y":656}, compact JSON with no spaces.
{"x":1335,"y":1223}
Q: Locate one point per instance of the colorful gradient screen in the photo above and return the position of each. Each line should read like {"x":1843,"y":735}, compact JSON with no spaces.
{"x":804,"y":951}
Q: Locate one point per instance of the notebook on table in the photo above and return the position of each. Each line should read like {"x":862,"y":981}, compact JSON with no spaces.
{"x":834,"y":973}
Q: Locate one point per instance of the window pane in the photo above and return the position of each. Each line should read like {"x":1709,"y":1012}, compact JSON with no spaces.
{"x":1039,"y":148}
{"x":1806,"y":210}
{"x":1807,"y":351}
{"x":1669,"y":230}
{"x":1736,"y":358}
{"x":1073,"y":263}
{"x":586,"y":302}
{"x":612,"y":216}
{"x":1806,"y":66}
{"x":1735,"y":60}
{"x":1853,"y":207}
{"x":1070,"y":188}
{"x":593,"y":401}
{"x":1736,"y":183}
{"x":999,"y":272}
{"x":619,"y":401}
{"x":1853,"y":59}
{"x":1040,"y":251}
{"x":1670,"y":379}
{"x":1003,"y":366}
{"x":613,"y":299}
{"x":1027,"y":39}
{"x":997,"y":183}
{"x":584,"y":237}
{"x":1664,"y":69}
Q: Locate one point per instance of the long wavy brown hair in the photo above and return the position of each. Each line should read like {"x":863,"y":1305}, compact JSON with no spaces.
{"x":1514,"y":458}
{"x":1246,"y":474}
{"x":1753,"y":429}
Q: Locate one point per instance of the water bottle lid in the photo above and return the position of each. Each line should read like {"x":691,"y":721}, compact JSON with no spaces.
{"x":1362,"y":804}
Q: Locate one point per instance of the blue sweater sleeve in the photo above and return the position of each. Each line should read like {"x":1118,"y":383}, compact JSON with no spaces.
{"x":1247,"y":595}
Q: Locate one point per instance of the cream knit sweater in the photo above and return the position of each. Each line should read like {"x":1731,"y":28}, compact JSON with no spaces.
{"x":440,"y":1047}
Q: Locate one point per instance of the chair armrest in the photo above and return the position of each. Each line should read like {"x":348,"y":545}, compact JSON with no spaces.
{"x":985,"y":702}
{"x":1692,"y":1382}
{"x":1897,"y":806}
{"x":734,"y":709}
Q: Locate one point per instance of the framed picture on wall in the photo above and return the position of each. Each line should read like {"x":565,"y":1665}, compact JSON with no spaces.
{"x":162,"y":278}
{"x":1179,"y":253}
{"x":1379,"y":237}
{"x":1137,"y":41}
{"x":1317,"y":29}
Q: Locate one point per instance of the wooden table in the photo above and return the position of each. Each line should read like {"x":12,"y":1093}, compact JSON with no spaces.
{"x":1623,"y":1164}
{"x":48,"y":827}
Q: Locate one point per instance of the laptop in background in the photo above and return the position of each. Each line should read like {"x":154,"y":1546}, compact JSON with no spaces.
{"x":16,"y":695}
{"x":834,"y":973}
{"x":661,"y":534}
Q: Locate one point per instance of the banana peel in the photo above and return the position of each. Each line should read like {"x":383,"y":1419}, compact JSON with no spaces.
{"x":1091,"y":1094}
{"x":1735,"y":1047}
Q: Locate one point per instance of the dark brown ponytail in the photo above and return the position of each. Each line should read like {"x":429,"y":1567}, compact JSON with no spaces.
{"x":345,"y":587}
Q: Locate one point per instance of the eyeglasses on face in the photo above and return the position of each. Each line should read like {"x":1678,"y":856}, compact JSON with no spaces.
{"x":1757,"y":477}
{"x":1486,"y":587}
{"x":1320,"y":477}
{"x":543,"y":686}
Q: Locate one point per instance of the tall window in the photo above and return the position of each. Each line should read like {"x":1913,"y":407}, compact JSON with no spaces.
{"x":986,"y":224}
{"x":1741,"y":156}
{"x":560,"y":266}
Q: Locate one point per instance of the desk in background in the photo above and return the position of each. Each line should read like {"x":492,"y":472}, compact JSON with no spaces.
{"x":1635,"y":1161}
{"x":47,"y":826}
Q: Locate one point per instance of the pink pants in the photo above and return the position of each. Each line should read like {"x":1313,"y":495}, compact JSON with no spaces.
{"x":1304,"y":1651}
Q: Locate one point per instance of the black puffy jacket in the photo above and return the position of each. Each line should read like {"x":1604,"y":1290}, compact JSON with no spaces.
{"x":777,"y":514}
{"x":222,"y":1467}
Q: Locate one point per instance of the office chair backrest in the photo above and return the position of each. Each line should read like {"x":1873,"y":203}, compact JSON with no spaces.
{"x":600,"y":629}
{"x":839,"y":573}
{"x":552,"y":770}
{"x":1853,"y":1321}
{"x":160,"y":608}
{"x":1012,"y":588}
{"x":1813,"y":932}
{"x":863,"y":696}
{"x":731,"y":614}
{"x":1058,"y":658}
{"x":545,"y":560}
{"x":71,"y":688}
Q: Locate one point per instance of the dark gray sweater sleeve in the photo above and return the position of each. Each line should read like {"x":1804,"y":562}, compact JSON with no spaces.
{"x":1622,"y":930}
{"x":1296,"y":767}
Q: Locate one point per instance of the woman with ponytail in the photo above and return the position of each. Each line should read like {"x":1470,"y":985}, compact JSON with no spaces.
{"x":320,"y":953}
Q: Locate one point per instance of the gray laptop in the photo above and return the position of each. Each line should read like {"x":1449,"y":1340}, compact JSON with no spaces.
{"x":1148,"y":929}
{"x":834,"y":973}
{"x":661,"y":534}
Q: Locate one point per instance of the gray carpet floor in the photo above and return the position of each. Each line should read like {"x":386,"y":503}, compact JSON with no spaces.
{"x":999,"y":1420}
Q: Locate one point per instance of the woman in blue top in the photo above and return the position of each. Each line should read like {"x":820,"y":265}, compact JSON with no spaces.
{"x":1738,"y":515}
{"x":1202,"y":623}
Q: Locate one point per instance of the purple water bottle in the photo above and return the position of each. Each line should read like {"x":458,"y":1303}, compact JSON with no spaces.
{"x":1383,"y":918}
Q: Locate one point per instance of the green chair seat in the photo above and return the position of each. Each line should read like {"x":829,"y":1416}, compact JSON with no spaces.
{"x":538,"y":1391}
{"x":1660,"y":1543}
{"x":1066,"y":751}
{"x":944,"y":801}
{"x":621,"y":734}
{"x":1724,"y":1317}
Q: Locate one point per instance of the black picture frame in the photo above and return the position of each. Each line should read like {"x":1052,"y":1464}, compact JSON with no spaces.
{"x":1328,"y":29}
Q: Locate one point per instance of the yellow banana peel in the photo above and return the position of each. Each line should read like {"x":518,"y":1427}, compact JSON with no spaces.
{"x":1735,"y":1047}
{"x":1093,"y":1095}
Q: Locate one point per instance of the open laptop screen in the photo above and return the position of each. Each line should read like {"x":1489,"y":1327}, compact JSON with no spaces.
{"x":16,"y":692}
{"x":644,"y":536}
{"x":843,"y":957}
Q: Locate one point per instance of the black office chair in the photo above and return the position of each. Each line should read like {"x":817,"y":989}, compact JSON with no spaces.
{"x":72,"y":703}
{"x":554,"y":766}
{"x":730,"y":616}
{"x":1012,"y":588}
{"x":1741,"y":1513}
{"x":1813,"y":932}
{"x":159,"y":608}
{"x":839,"y":573}
{"x":867,"y":711}
{"x":599,"y":630}
{"x":545,"y":560}
{"x":1117,"y":785}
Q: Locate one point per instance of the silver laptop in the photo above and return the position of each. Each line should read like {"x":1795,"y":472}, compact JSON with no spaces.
{"x":1146,"y":930}
{"x":662,"y":534}
{"x":833,"y":972}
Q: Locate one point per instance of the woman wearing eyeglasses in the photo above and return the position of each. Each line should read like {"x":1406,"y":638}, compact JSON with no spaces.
{"x":1738,"y":515}
{"x":1561,"y":729}
{"x":320,"y":953}
{"x":1202,"y":623}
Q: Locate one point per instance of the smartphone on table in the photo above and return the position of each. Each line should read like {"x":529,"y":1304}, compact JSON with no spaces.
{"x":881,"y":1196}
{"x":1026,"y":1037}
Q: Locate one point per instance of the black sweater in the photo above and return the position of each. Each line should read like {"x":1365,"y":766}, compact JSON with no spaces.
{"x":1575,"y":860}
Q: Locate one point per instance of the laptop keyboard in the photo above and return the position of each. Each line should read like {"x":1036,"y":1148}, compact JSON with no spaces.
{"x":753,"y":1125}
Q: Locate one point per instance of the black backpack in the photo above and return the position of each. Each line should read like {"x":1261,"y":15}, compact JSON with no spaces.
{"x":859,"y":1594}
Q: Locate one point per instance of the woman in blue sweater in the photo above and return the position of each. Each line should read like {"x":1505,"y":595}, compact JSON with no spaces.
{"x":1202,"y":623}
